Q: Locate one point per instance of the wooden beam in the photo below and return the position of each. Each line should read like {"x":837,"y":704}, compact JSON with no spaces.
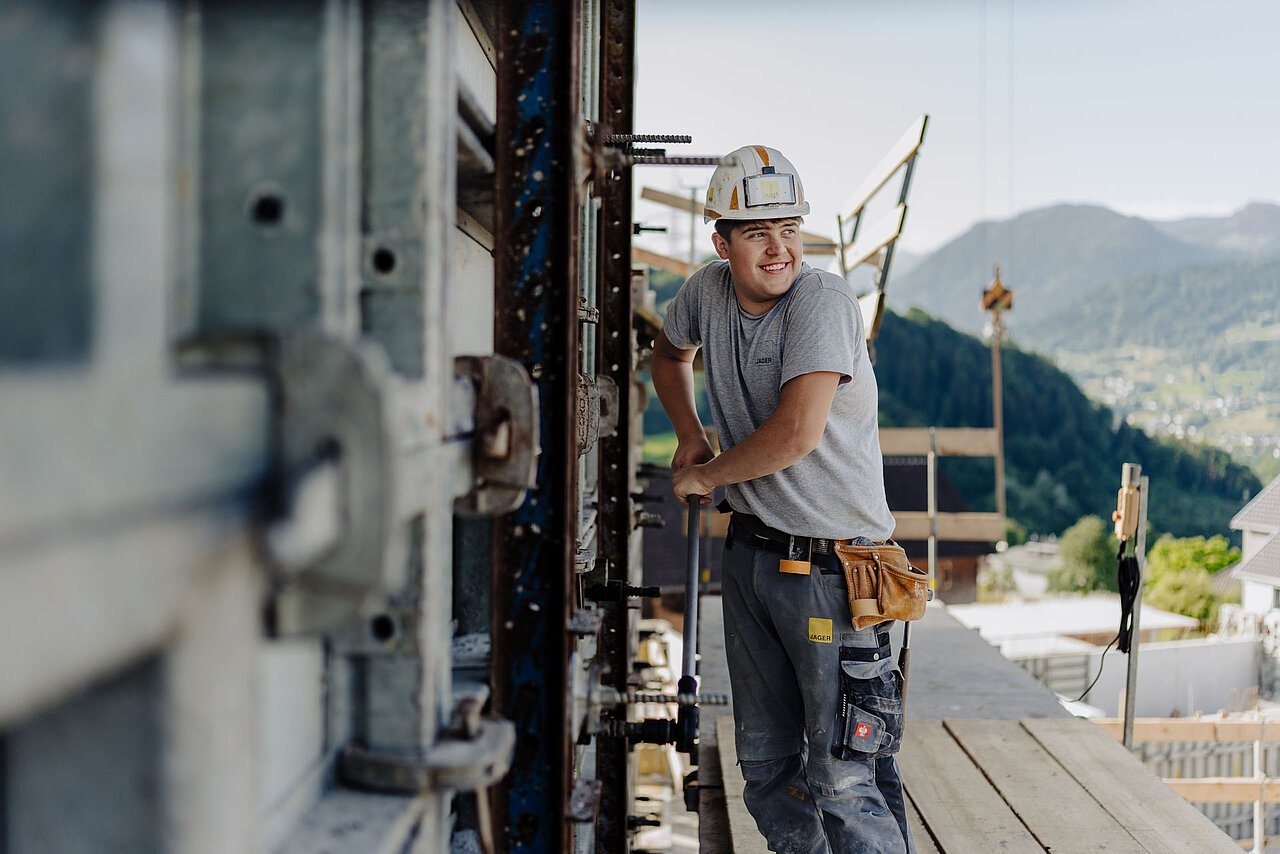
{"x":959,"y":527}
{"x":952,"y":441}
{"x":662,"y":262}
{"x":814,"y":244}
{"x":875,"y":237}
{"x":1151,"y":812}
{"x":817,"y":245}
{"x":906,"y":146}
{"x":1226,"y":790}
{"x":1191,"y":729}
{"x":872,"y":307}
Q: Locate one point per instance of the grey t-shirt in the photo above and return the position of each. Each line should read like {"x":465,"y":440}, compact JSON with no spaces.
{"x":837,"y":490}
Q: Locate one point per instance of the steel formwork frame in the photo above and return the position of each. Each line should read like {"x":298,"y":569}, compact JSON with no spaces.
{"x":537,"y":223}
{"x":616,"y":466}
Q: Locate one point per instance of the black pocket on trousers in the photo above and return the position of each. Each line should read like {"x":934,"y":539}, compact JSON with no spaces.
{"x":869,"y":715}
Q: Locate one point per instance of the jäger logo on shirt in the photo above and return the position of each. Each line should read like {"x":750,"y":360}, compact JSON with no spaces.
{"x":819,"y":630}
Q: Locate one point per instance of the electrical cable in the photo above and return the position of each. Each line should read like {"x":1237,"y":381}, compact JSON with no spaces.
{"x":1128,"y":580}
{"x":1101,"y":661}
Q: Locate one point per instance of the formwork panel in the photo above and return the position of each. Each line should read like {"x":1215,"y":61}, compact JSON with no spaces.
{"x":47,"y":54}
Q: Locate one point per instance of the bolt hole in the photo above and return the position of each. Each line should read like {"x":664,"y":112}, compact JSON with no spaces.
{"x":384,"y":260}
{"x":382,"y":627}
{"x":267,"y":209}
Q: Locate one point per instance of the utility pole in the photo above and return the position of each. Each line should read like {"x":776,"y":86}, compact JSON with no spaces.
{"x":997,"y":299}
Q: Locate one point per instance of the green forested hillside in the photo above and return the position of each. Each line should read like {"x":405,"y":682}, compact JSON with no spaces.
{"x":1190,"y":352}
{"x":1063,"y":452}
{"x":1194,"y":307}
{"x":1051,"y":258}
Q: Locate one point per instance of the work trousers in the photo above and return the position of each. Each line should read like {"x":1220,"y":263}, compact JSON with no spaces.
{"x":787,"y":637}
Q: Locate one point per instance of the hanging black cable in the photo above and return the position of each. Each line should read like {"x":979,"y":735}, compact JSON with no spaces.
{"x":1128,"y":579}
{"x":1102,"y":659}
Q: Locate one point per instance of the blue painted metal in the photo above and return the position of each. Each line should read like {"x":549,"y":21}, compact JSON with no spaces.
{"x":537,"y":217}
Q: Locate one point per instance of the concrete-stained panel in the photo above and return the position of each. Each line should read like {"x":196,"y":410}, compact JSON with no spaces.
{"x":86,"y":775}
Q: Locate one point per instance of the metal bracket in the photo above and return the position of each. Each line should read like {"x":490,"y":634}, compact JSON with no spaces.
{"x":332,"y":541}
{"x":607,"y":391}
{"x":459,"y":762}
{"x":504,"y":456}
{"x":597,"y":413}
{"x":588,"y":414}
{"x":587,"y":313}
{"x":584,"y":801}
{"x":586,"y":622}
{"x":599,"y":151}
{"x":644,"y":519}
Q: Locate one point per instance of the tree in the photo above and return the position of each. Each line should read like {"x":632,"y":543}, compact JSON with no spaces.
{"x":1088,"y":551}
{"x":1179,"y":574}
{"x":1184,"y":591}
{"x":1172,"y":554}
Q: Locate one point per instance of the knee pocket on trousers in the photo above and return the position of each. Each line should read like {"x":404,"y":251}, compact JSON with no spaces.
{"x":838,"y":778}
{"x":869,"y":714}
{"x":764,"y":770}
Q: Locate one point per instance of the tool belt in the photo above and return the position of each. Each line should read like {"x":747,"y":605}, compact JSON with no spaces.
{"x":751,"y":532}
{"x":883,"y":585}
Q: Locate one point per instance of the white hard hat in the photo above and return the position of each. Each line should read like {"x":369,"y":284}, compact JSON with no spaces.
{"x":754,"y":182}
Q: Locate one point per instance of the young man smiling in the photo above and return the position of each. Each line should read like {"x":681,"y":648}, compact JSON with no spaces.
{"x":817,"y":706}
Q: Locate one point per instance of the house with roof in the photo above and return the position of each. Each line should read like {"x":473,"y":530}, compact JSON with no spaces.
{"x":1259,"y":568}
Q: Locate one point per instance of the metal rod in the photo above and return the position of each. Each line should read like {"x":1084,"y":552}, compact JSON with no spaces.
{"x":1131,"y":477}
{"x":631,"y":160}
{"x":691,"y":590}
{"x":616,"y":138}
{"x":931,"y":470}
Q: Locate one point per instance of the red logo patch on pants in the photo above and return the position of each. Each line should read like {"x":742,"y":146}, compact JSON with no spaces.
{"x":862,"y":731}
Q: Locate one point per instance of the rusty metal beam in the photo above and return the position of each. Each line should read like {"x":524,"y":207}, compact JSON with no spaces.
{"x":537,"y":220}
{"x":616,"y":110}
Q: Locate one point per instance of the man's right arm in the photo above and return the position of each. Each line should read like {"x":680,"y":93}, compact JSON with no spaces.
{"x":672,"y":372}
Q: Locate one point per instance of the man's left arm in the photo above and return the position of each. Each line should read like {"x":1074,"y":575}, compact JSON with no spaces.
{"x":788,"y":435}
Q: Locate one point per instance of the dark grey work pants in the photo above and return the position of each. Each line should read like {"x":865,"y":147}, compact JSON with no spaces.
{"x":786,"y":693}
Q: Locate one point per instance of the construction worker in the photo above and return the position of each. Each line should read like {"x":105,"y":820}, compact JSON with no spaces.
{"x":817,"y":704}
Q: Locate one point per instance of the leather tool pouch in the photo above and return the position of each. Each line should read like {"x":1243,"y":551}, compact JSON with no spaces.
{"x":883,"y":585}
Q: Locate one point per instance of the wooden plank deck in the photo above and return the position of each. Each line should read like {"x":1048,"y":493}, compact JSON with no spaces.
{"x":991,"y":763}
{"x":1035,"y":786}
{"x":1019,"y":787}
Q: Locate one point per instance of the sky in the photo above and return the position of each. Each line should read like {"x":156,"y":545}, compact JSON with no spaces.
{"x":1154,"y":108}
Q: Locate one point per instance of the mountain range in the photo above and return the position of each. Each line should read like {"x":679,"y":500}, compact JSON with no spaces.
{"x":1174,"y":325}
{"x":1058,"y":259}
